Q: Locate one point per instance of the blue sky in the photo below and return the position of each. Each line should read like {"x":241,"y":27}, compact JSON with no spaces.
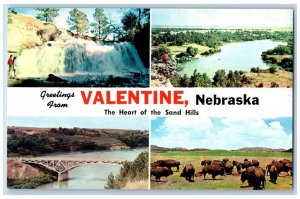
{"x":114,"y":14}
{"x":136,"y":123}
{"x":222,"y":133}
{"x":223,"y":17}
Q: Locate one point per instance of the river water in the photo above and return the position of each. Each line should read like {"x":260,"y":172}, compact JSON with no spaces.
{"x":91,"y":176}
{"x":233,"y":56}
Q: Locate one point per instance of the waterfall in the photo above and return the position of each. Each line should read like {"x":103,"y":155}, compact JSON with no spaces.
{"x":78,"y":56}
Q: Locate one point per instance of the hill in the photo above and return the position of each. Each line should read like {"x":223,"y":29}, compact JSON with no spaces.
{"x":35,"y":141}
{"x":245,"y":149}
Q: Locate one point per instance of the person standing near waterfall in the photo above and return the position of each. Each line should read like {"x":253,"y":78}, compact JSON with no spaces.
{"x":165,"y":57}
{"x":14,"y":67}
{"x":10,"y":64}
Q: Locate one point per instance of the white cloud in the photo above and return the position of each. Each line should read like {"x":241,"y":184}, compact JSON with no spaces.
{"x":227,"y":133}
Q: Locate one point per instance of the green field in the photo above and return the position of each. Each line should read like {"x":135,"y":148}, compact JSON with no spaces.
{"x":178,"y":49}
{"x":228,"y":182}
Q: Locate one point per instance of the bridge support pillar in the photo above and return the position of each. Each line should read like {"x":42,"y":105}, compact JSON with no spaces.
{"x":63,"y":176}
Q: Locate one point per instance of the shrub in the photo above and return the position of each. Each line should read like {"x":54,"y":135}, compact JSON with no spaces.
{"x":273,"y":69}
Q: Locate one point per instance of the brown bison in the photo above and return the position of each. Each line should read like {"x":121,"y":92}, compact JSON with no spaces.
{"x":159,"y":172}
{"x":188,"y":172}
{"x":246,"y":164}
{"x":205,"y":162}
{"x":255,"y":177}
{"x":273,"y":173}
{"x":237,"y":165}
{"x":217,"y":162}
{"x":290,"y":168}
{"x":255,"y":163}
{"x":153,"y":164}
{"x":168,"y":163}
{"x":214,"y":170}
{"x":286,"y":161}
{"x":279,"y":166}
{"x":198,"y":174}
{"x":228,"y":166}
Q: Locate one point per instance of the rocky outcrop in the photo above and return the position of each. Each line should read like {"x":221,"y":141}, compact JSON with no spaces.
{"x":16,"y":170}
{"x":161,"y":74}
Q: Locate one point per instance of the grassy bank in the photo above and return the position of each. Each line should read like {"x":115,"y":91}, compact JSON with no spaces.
{"x":30,"y":183}
{"x":179,"y":49}
{"x":283,"y":78}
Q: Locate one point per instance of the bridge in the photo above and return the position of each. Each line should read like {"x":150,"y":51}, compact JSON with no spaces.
{"x":62,"y":166}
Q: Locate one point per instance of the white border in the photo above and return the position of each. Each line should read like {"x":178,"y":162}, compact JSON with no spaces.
{"x":137,"y":2}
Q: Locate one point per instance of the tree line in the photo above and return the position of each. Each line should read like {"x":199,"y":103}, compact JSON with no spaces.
{"x":220,"y":79}
{"x":215,"y":38}
{"x":287,"y":63}
{"x":134,"y":26}
{"x":132,"y":22}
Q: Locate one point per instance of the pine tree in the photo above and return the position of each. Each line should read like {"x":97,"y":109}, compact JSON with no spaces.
{"x":47,"y":14}
{"x":220,"y":79}
{"x":100,"y":26}
{"x":78,"y":21}
{"x":110,"y":184}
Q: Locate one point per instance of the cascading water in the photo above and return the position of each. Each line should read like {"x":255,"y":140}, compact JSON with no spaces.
{"x":79,"y":57}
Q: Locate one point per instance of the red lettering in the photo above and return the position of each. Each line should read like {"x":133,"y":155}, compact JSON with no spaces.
{"x":121,"y":97}
{"x":85,"y":99}
{"x":108,"y":100}
{"x":178,"y":97}
{"x":98,"y":98}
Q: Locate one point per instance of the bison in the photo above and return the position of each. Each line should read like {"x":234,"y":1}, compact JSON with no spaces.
{"x":205,"y":162}
{"x":168,"y":163}
{"x":188,"y":172}
{"x":286,"y":161}
{"x":255,"y":163}
{"x":273,"y":173}
{"x":228,"y":166}
{"x":246,"y":164}
{"x":154,"y":164}
{"x":217,"y":162}
{"x":290,"y":167}
{"x":214,"y":170}
{"x":255,"y":177}
{"x":198,"y":174}
{"x":279,"y":166}
{"x":237,"y":165}
{"x":159,"y":172}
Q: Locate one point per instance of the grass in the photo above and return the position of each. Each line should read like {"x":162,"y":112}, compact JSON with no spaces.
{"x":178,"y":49}
{"x":283,"y":78}
{"x":228,"y":182}
{"x":30,"y":183}
{"x":142,"y":184}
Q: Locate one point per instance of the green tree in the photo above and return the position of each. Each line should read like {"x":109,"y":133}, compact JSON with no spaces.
{"x":287,"y":63}
{"x":273,"y":69}
{"x":47,"y":14}
{"x":130,"y":21}
{"x":192,"y":51}
{"x":220,"y":80}
{"x":157,"y":53}
{"x":100,"y":25}
{"x":184,"y":81}
{"x":78,"y":21}
{"x":111,"y":181}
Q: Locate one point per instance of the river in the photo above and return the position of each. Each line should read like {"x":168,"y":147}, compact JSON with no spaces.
{"x":91,"y":176}
{"x":233,"y":56}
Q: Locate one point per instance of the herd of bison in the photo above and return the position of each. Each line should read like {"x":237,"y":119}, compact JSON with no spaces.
{"x":249,"y":170}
